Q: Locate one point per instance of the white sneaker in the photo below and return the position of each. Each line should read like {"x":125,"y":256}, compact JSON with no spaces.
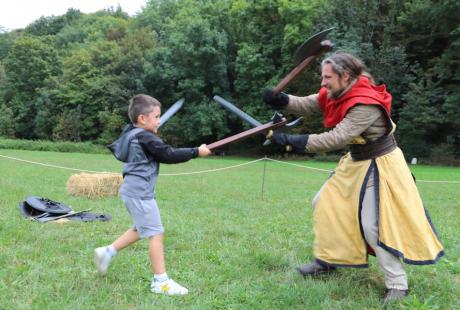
{"x":168,"y":287}
{"x":102,"y":259}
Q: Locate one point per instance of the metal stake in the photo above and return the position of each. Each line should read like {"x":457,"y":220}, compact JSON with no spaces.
{"x":263,"y":177}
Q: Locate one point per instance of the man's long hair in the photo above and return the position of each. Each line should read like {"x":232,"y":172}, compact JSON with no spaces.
{"x":342,"y":62}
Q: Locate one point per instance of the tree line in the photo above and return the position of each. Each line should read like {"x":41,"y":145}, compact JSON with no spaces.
{"x":69,"y":77}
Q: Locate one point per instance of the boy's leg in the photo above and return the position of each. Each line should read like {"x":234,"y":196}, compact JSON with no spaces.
{"x":104,"y":255}
{"x":161,"y":283}
{"x":127,"y":238}
{"x":147,"y":219}
{"x":156,"y":254}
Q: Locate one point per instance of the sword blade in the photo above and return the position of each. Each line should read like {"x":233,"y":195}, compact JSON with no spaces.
{"x":171,"y":111}
{"x":232,"y":108}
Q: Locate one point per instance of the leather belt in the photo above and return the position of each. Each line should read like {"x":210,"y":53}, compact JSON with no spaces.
{"x":373,"y":149}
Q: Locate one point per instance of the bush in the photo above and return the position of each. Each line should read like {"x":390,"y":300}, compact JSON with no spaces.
{"x":42,"y":145}
{"x":6,"y":122}
{"x":443,"y":154}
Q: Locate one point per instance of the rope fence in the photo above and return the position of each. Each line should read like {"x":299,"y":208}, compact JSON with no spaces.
{"x":205,"y":171}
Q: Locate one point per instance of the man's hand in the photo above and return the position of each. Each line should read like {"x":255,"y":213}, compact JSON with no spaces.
{"x":203,"y":151}
{"x":297,"y":143}
{"x":278,"y":101}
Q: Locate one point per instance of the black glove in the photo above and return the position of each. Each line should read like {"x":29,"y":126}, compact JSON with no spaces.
{"x":278,"y":101}
{"x":296,"y":142}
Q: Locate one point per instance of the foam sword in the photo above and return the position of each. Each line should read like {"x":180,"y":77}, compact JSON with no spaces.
{"x":171,"y":111}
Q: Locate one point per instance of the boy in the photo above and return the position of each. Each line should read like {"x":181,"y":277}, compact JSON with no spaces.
{"x":142,"y":151}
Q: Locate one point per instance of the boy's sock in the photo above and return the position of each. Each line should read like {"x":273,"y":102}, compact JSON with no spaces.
{"x":112,"y":251}
{"x":160,"y":277}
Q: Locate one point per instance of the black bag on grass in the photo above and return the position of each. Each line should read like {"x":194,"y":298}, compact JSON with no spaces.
{"x":44,"y":210}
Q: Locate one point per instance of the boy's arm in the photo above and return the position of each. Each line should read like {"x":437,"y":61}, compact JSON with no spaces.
{"x":164,"y":153}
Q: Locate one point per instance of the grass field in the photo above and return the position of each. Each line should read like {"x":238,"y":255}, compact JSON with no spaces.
{"x":232,"y":242}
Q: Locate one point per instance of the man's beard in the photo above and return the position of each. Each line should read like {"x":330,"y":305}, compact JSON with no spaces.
{"x":338,"y":93}
{"x":335,"y":94}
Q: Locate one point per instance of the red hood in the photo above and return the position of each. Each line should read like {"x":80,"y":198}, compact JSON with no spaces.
{"x":362,"y":92}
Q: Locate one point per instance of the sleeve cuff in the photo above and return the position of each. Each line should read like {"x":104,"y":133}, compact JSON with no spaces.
{"x":195,"y":152}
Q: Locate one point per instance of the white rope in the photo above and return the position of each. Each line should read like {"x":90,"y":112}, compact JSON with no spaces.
{"x":429,"y":181}
{"x":205,"y":171}
{"x":296,"y":165}
{"x":212,"y":170}
{"x":164,"y":174}
{"x":329,"y":171}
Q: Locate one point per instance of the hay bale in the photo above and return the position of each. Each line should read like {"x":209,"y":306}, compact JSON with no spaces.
{"x":93,"y":185}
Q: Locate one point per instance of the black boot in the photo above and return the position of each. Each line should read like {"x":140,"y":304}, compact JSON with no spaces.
{"x":394,"y":294}
{"x":314,"y":268}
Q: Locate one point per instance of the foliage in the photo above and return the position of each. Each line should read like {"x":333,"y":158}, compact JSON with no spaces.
{"x":52,"y":25}
{"x":190,"y":61}
{"x":6,"y":41}
{"x":234,"y":49}
{"x":68,"y":126}
{"x":112,"y":123}
{"x":6,"y":122}
{"x":30,"y":62}
{"x":431,"y":109}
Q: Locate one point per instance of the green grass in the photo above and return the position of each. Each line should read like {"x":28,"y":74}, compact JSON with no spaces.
{"x":232,"y":247}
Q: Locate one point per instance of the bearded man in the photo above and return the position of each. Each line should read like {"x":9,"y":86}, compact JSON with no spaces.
{"x":370,"y":204}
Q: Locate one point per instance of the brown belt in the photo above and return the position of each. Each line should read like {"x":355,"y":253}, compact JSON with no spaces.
{"x":379,"y":147}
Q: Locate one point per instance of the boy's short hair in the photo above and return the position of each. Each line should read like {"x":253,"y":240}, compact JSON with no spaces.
{"x":141,"y":104}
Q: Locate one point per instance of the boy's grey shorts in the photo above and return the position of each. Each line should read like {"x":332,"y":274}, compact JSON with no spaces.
{"x":145,"y":215}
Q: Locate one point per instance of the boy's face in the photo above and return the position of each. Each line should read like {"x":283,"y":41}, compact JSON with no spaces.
{"x":150,"y":121}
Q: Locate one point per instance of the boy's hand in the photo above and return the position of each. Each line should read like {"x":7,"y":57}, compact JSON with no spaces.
{"x":203,"y":151}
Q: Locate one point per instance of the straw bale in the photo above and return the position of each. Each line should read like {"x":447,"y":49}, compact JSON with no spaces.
{"x":94,"y":185}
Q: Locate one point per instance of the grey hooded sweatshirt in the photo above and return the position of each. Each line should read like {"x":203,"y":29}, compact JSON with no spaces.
{"x":142,"y":152}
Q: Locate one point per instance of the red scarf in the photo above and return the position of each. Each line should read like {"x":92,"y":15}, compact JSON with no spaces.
{"x":362,"y":92}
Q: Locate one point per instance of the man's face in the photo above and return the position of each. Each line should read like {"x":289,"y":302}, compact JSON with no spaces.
{"x":151,"y":121}
{"x":333,"y":82}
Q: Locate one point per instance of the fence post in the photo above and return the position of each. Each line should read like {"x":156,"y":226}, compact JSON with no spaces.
{"x":263,"y":177}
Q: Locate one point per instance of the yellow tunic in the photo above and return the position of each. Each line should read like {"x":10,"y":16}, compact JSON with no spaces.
{"x":404,"y":226}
